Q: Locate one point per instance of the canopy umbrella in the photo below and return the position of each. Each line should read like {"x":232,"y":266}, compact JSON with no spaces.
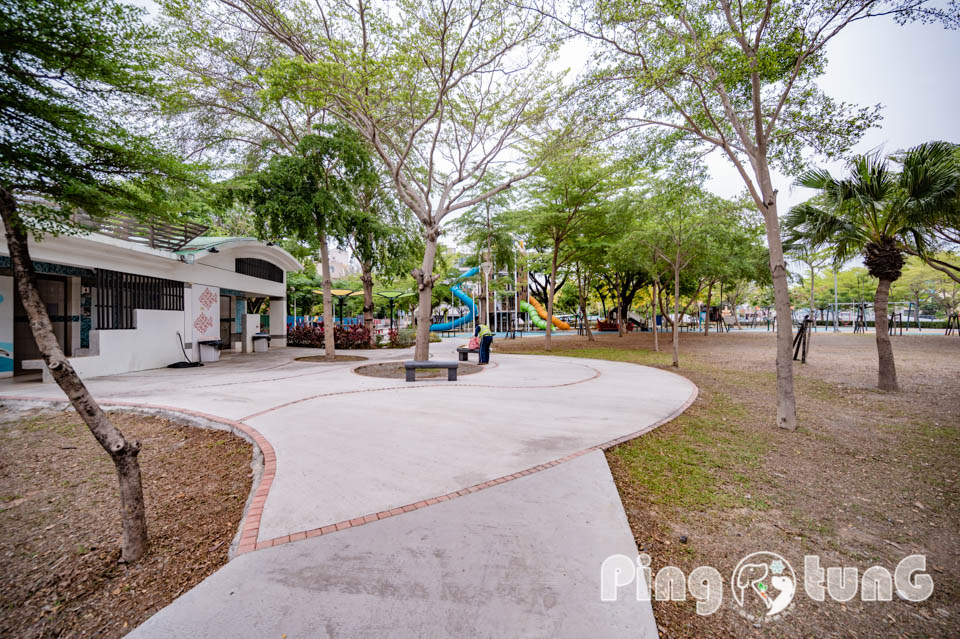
{"x":393,"y":296}
{"x":341,"y":294}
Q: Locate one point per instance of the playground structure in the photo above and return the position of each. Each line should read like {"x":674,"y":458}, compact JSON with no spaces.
{"x":509,"y":308}
{"x":463,"y":297}
{"x":542,"y":312}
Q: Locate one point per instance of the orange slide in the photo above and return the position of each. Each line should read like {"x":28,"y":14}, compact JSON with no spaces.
{"x":542,"y":312}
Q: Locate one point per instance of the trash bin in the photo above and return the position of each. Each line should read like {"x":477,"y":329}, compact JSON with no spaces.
{"x":209,"y":350}
{"x":261,"y":342}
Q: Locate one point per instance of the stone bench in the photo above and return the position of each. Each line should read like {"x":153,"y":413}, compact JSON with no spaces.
{"x":463,"y":352}
{"x":412,"y":366}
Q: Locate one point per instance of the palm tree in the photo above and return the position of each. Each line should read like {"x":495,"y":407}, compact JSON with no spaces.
{"x":881,"y":214}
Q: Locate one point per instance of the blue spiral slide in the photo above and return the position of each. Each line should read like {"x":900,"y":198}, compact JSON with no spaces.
{"x":463,"y":297}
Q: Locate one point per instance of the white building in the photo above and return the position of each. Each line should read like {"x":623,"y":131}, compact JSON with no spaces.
{"x":123,"y":298}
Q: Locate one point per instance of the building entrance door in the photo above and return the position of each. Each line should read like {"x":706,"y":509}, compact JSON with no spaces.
{"x":53,"y":292}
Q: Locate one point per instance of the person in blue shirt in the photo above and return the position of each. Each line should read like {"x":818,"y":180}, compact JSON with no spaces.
{"x":486,"y":339}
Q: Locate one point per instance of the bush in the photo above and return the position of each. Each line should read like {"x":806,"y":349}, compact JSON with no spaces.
{"x":407,"y":337}
{"x":301,"y":335}
{"x":403,"y":338}
{"x":344,"y":337}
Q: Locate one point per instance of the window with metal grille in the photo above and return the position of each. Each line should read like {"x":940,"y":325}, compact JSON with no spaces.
{"x":259,"y":268}
{"x":120,"y":294}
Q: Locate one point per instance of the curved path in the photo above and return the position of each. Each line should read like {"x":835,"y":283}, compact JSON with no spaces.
{"x":341,"y":450}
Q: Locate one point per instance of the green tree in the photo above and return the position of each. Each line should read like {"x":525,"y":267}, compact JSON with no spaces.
{"x":737,"y":77}
{"x":917,"y":285}
{"x":67,"y":70}
{"x":814,"y":261}
{"x":881,"y":214}
{"x":620,"y":265}
{"x":312,"y":196}
{"x":677,"y":224}
{"x":381,"y":238}
{"x":570,"y":193}
{"x":441,"y":92}
{"x":488,"y":230}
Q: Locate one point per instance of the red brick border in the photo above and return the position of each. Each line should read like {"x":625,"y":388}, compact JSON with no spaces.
{"x":366,"y":519}
{"x":251,"y":523}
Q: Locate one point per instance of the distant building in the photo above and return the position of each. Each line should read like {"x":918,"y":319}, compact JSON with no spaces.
{"x":122,"y":298}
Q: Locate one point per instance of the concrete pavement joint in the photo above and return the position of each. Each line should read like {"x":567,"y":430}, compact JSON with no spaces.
{"x":422,"y":384}
{"x":246,"y":540}
{"x":366,"y":519}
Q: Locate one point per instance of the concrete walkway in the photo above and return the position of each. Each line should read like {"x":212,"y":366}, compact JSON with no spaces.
{"x":481,"y":507}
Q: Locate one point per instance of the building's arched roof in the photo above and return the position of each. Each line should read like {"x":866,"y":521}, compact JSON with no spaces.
{"x":241,"y":247}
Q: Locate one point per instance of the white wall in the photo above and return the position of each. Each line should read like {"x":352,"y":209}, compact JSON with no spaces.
{"x":153,"y":344}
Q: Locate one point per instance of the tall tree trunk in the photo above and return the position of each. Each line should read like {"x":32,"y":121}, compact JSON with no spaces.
{"x":603,"y":301}
{"x":786,"y":398}
{"x":706,"y":324}
{"x":581,"y":289}
{"x":887,"y":373}
{"x":664,"y":305}
{"x":329,"y":323}
{"x":425,"y":280}
{"x":676,"y":317}
{"x":122,"y":451}
{"x":653,"y":301}
{"x":551,"y":291}
{"x":619,"y":295}
{"x":366,"y":278}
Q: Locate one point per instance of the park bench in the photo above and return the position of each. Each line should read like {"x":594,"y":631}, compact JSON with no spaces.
{"x":463,"y":351}
{"x":412,"y":366}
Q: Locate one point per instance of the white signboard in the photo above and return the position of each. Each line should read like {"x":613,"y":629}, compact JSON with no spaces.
{"x":206,"y":312}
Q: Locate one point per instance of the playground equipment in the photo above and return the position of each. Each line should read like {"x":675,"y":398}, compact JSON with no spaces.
{"x":542,"y":312}
{"x":463,"y":297}
{"x":531,"y":312}
{"x":953,"y":324}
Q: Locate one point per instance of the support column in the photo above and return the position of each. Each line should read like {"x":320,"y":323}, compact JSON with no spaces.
{"x":278,"y":322}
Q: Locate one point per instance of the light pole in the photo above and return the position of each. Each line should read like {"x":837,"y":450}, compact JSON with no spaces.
{"x":486,"y":267}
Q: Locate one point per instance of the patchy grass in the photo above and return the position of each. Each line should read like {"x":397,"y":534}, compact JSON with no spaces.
{"x":867,"y":479}
{"x":707,"y":459}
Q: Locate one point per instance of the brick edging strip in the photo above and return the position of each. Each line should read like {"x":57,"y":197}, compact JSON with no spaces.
{"x":251,"y":524}
{"x":250,"y":527}
{"x":366,"y":519}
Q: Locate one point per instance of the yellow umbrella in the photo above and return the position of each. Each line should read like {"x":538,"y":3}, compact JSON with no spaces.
{"x":341,"y":294}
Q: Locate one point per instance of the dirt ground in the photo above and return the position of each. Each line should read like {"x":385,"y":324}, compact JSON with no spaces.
{"x":321,"y":359}
{"x":867,"y":479}
{"x":60,"y":526}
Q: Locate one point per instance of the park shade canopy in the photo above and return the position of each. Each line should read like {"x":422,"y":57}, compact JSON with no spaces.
{"x":341,"y":294}
{"x":392,"y":296}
